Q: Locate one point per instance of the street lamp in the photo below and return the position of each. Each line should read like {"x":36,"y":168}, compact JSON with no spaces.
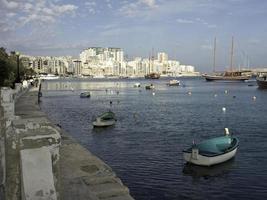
{"x":18,"y":77}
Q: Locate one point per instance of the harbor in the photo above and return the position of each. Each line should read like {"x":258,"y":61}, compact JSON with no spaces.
{"x":133,"y":100}
{"x":42,"y":161}
{"x":145,"y":145}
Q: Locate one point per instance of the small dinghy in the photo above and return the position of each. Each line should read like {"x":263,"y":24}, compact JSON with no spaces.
{"x":137,"y":85}
{"x":212,"y":151}
{"x":105,"y":119}
{"x":85,"y":95}
{"x":173,"y":83}
{"x":150,"y":87}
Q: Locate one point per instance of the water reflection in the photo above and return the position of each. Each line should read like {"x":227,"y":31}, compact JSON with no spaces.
{"x":208,"y":172}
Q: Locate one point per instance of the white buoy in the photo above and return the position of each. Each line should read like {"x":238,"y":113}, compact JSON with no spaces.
{"x":189,"y":93}
{"x":223,"y":109}
{"x":226,"y":131}
{"x":215,"y":95}
{"x":226,"y":91}
{"x":153,"y":93}
{"x":254,"y":98}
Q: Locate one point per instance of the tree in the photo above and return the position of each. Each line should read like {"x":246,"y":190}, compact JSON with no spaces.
{"x":7,"y":68}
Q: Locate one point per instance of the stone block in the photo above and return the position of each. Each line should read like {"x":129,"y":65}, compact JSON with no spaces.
{"x":37,"y":175}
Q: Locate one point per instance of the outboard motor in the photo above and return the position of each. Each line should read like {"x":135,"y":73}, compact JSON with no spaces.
{"x":194,"y":153}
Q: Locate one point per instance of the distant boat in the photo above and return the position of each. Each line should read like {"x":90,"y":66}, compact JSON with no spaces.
{"x":48,"y":77}
{"x":85,"y":95}
{"x":227,"y":76}
{"x":105,"y":119}
{"x":137,"y":85}
{"x":99,"y":76}
{"x":212,"y":151}
{"x":232,"y":75}
{"x":150,"y":87}
{"x":262,"y":81}
{"x":173,"y":82}
{"x":152,"y":76}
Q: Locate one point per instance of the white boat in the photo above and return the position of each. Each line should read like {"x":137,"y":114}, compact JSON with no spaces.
{"x":137,"y":85}
{"x":150,"y":87}
{"x":99,"y":76}
{"x":48,"y":77}
{"x":105,"y":119}
{"x":85,"y":95}
{"x":212,"y":151}
{"x":173,"y":82}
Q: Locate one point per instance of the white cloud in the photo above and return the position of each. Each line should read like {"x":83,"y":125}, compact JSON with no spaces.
{"x":137,"y":8}
{"x":90,"y":6}
{"x":9,"y":4}
{"x":184,"y":21}
{"x":150,"y":3}
{"x":10,"y":15}
{"x":196,"y":21}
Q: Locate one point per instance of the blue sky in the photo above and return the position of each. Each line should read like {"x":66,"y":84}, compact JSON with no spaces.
{"x":185,"y":29}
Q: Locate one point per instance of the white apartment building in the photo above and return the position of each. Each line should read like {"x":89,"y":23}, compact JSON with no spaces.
{"x":98,"y":61}
{"x":102,"y":61}
{"x":162,"y":57}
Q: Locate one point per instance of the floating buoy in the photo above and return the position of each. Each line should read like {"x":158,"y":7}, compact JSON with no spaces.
{"x":215,"y":95}
{"x":153,"y":93}
{"x":254,"y":98}
{"x":189,"y":93}
{"x":226,"y":91}
{"x":234,"y":96}
{"x":226,"y":131}
{"x":223,"y":109}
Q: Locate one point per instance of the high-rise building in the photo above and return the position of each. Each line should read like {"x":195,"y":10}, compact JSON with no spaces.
{"x":162,"y":57}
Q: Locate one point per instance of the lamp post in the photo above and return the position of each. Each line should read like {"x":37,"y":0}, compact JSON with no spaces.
{"x":18,"y":77}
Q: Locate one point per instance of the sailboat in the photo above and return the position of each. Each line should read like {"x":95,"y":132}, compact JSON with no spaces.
{"x":152,"y":75}
{"x":232,"y":75}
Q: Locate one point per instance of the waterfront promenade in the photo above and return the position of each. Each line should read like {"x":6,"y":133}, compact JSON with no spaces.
{"x":76,"y":173}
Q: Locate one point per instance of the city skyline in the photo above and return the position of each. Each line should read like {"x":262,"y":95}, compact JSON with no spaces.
{"x":185,"y":30}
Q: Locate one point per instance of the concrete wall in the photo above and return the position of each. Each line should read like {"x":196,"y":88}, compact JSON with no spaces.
{"x":2,"y":150}
{"x":17,"y":135}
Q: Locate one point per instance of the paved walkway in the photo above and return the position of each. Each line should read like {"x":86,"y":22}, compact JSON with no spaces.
{"x":82,"y":175}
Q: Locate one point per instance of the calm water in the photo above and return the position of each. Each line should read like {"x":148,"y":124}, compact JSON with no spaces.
{"x":145,"y":147}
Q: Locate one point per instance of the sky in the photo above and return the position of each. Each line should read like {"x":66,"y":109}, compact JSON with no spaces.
{"x":184,"y":29}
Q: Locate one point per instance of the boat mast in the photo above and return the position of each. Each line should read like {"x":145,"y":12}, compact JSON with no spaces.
{"x":152,"y":60}
{"x":149,"y":63}
{"x":214,"y":55}
{"x":232,"y":54}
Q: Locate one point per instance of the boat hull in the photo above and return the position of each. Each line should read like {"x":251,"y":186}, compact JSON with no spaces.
{"x":226,"y":78}
{"x":262,"y":83}
{"x":209,"y":160}
{"x":105,"y":123}
{"x":152,"y":76}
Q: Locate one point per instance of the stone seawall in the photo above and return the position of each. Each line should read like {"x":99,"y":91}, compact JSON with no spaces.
{"x":76,"y":174}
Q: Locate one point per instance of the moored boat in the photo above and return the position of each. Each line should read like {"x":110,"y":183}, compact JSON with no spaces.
{"x":173,"y":82}
{"x":227,"y":76}
{"x":212,"y":151}
{"x":262,"y":81}
{"x":150,"y":87}
{"x":152,"y":76}
{"x":230,"y":75}
{"x":85,"y":95}
{"x":105,"y":119}
{"x":48,"y":77}
{"x":137,"y":85}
